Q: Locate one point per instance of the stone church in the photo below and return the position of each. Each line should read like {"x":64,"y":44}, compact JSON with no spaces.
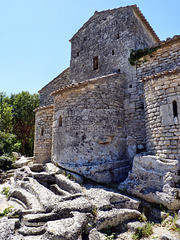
{"x":100,"y":112}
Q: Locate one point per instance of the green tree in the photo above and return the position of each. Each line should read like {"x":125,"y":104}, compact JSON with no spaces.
{"x":23,"y":120}
{"x":5,"y":114}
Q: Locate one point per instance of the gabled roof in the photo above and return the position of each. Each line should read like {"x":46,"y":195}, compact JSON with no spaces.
{"x":137,"y":11}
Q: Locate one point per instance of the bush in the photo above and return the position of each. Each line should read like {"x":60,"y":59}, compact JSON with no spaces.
{"x":9,"y":143}
{"x":6,"y":162}
{"x":5,"y":192}
{"x":142,"y":232}
{"x":6,"y":212}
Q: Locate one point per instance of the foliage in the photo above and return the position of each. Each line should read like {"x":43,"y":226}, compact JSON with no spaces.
{"x":17,"y":121}
{"x":108,"y":233}
{"x":6,"y":162}
{"x":135,"y":55}
{"x":5,"y":114}
{"x":94,"y":212}
{"x":5,"y":191}
{"x":24,"y":119}
{"x":110,"y":237}
{"x":144,"y":231}
{"x":170,"y":223}
{"x":9,"y":143}
{"x":6,"y":212}
{"x":142,"y":218}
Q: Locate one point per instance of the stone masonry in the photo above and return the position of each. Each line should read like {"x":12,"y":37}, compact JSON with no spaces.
{"x":161,"y":78}
{"x":99,"y":113}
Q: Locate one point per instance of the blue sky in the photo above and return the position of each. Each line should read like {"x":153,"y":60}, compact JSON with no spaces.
{"x":35,"y":35}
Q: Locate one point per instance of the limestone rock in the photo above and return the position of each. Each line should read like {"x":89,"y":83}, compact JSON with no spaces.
{"x":114,"y":217}
{"x":95,"y":235}
{"x":7,"y":228}
{"x":51,"y":206}
{"x":167,"y":237}
{"x":154,"y":179}
{"x":178,"y":223}
{"x":23,"y":161}
{"x":67,"y":228}
{"x":105,"y":199}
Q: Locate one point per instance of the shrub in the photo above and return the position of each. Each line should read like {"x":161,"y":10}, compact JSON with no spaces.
{"x":6,"y":212}
{"x":144,"y":231}
{"x":6,"y":162}
{"x":5,"y":191}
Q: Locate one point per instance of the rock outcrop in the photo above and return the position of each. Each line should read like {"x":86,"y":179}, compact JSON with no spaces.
{"x":48,"y":205}
{"x":156,"y":180}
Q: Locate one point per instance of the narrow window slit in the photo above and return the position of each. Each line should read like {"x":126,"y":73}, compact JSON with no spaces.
{"x":95,"y":63}
{"x":112,"y":52}
{"x":175,"y":111}
{"x":60,"y":121}
{"x":42,"y":131}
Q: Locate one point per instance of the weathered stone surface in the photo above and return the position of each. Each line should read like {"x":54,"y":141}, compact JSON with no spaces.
{"x":23,"y":161}
{"x":155,"y":180}
{"x":32,"y":231}
{"x":106,"y":199}
{"x":178,"y":223}
{"x":167,"y":237}
{"x":132,"y":226}
{"x":95,"y":235}
{"x":7,"y":228}
{"x":67,"y":228}
{"x":50,"y":206}
{"x":114,"y":217}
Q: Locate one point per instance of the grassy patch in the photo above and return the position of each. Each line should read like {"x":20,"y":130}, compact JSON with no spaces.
{"x":6,"y":212}
{"x":108,"y":233}
{"x":5,"y":192}
{"x":142,"y":232}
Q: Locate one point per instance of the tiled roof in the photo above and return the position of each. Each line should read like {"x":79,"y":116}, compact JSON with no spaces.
{"x":161,"y":74}
{"x":43,"y":108}
{"x":83,"y":83}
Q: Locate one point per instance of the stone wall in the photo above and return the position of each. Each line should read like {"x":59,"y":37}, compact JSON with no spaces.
{"x":107,"y":39}
{"x":162,"y":120}
{"x":58,"y":82}
{"x":165,"y":58}
{"x":88,"y":128}
{"x":160,"y":74}
{"x":43,"y":134}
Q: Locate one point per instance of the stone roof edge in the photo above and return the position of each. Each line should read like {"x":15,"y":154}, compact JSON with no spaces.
{"x":161,"y":74}
{"x":146,"y":23}
{"x":170,"y":40}
{"x":83,"y":83}
{"x":54,"y":79}
{"x":136,"y":9}
{"x":43,"y":108}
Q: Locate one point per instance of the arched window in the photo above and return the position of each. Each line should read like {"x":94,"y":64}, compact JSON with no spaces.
{"x":60,"y":121}
{"x":42,"y":131}
{"x":175,"y":111}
